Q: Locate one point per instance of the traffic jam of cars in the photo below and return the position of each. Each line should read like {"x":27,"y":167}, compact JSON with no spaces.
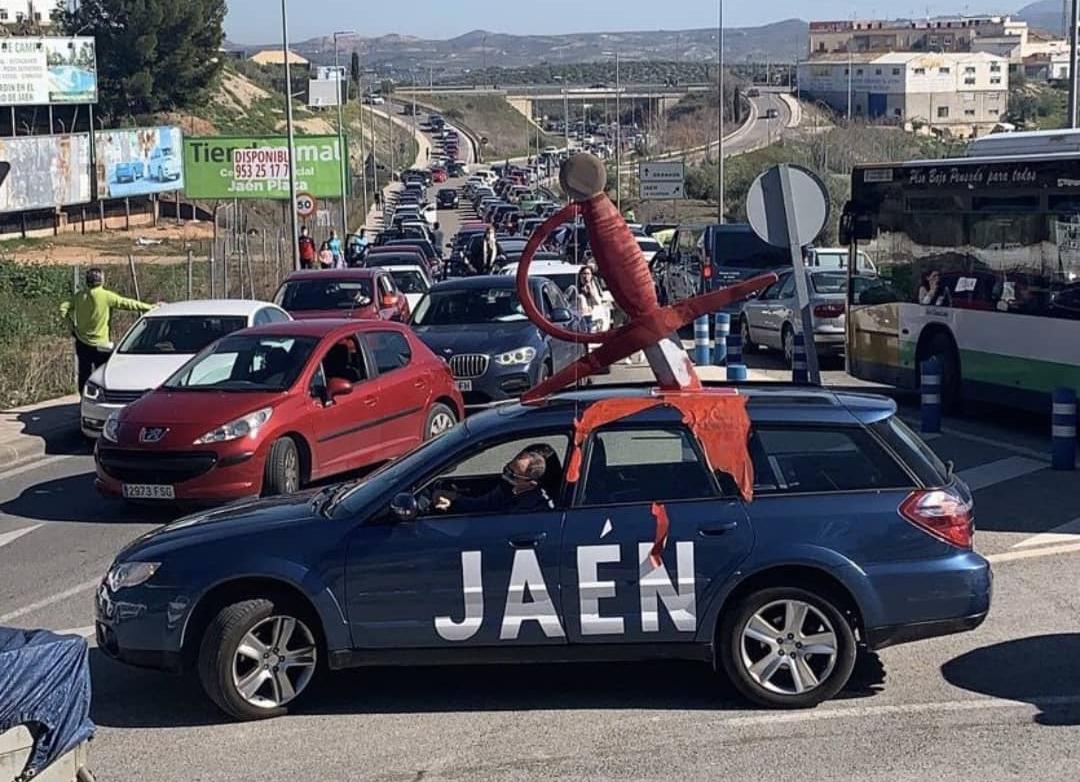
{"x":372,"y":476}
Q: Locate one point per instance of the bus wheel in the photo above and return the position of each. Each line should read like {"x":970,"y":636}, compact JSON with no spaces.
{"x":942,"y":347}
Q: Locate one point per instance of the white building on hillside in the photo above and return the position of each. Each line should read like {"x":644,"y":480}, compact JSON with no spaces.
{"x":964,"y":93}
{"x":15,"y":11}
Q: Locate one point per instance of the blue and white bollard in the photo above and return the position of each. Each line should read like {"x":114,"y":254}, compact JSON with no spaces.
{"x":701,"y":340}
{"x":930,"y":389}
{"x":1063,"y":429}
{"x":736,"y":371}
{"x":734,"y":349}
{"x":721,"y":328}
{"x":799,"y":373}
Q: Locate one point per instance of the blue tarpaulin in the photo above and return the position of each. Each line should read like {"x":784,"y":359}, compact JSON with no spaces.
{"x":45,"y":685}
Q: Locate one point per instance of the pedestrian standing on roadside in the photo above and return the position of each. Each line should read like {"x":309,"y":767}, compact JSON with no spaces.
{"x":326,"y":257}
{"x":306,"y":249}
{"x":437,"y":238}
{"x":88,"y":313}
{"x":336,"y":250}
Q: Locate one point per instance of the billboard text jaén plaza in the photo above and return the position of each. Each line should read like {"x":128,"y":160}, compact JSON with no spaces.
{"x":218,"y":167}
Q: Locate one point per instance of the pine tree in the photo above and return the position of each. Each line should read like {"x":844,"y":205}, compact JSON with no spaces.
{"x":152,"y":55}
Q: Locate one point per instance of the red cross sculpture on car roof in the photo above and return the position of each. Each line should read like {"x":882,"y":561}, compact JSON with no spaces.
{"x":650,"y":327}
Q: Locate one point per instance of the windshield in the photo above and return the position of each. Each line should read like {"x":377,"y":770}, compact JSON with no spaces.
{"x":411,"y":465}
{"x":829,"y":282}
{"x":471,"y":306}
{"x":245,"y":362}
{"x":410,"y":281}
{"x":649,"y":245}
{"x":185,"y":335}
{"x":324,"y":294}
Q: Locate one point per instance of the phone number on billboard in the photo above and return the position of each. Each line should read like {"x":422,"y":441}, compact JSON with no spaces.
{"x":260,"y":170}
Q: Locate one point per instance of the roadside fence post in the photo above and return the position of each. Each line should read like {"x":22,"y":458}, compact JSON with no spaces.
{"x":1063,"y":429}
{"x":190,"y":274}
{"x":722,"y":328}
{"x":701,"y":340}
{"x":134,"y":276}
{"x":930,"y":389}
{"x":799,"y":373}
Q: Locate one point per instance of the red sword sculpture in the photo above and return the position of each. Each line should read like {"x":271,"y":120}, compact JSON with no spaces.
{"x":650,"y":327}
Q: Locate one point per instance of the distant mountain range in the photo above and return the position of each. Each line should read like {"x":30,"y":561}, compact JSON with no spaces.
{"x":1045,"y":15}
{"x":778,"y":42}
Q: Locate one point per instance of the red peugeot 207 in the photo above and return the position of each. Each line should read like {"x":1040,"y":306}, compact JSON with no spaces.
{"x":366,"y":294}
{"x":267,"y":410}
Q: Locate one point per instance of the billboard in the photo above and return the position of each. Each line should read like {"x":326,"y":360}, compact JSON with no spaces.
{"x":139,"y":161}
{"x":258,"y":167}
{"x":322,"y":93}
{"x":46,"y":171}
{"x":39,"y":71}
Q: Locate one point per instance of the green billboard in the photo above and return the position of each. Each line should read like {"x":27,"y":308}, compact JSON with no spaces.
{"x":258,"y":167}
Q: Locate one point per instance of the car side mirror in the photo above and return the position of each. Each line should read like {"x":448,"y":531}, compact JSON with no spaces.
{"x":561,"y":315}
{"x":405,"y":507}
{"x":338,"y":387}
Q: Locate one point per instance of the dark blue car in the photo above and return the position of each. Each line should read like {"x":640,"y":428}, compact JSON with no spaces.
{"x":496,"y":353}
{"x":856,"y":537}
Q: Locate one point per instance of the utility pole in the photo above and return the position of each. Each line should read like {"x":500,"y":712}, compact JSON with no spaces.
{"x":618,"y":135}
{"x":342,"y":96}
{"x":363,"y":158}
{"x":1073,"y":62}
{"x":291,"y":138}
{"x":721,"y":101}
{"x":851,"y":72}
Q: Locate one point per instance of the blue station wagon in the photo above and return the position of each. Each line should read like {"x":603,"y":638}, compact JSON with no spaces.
{"x":856,"y":537}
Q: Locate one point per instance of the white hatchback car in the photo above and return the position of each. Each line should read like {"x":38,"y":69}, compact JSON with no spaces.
{"x":159,"y":343}
{"x":412,"y":279}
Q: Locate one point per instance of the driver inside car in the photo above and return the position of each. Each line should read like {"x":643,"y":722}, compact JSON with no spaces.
{"x":521,"y":490}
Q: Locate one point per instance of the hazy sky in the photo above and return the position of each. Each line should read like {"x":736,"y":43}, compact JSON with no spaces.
{"x":259,"y":21}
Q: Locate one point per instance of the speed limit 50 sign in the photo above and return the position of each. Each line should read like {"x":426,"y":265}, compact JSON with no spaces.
{"x":305,"y":204}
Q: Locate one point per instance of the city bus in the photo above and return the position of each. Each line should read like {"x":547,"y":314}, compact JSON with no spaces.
{"x":978,"y":264}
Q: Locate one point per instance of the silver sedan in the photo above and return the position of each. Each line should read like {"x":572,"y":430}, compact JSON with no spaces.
{"x":768,"y":319}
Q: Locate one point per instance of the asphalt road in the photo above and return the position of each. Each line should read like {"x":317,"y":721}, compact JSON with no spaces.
{"x":1001,"y":702}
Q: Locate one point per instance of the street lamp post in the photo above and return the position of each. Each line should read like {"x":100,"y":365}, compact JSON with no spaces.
{"x":290,"y":137}
{"x":341,"y":133}
{"x":618,"y":135}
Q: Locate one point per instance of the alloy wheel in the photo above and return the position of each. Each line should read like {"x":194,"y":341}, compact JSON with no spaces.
{"x":292,"y":471}
{"x":788,"y":647}
{"x":440,"y":423}
{"x":274,"y":662}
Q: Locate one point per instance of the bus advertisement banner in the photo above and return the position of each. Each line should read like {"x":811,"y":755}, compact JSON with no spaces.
{"x":46,"y":172}
{"x":139,"y":161}
{"x":220,"y":167}
{"x":40,"y":71}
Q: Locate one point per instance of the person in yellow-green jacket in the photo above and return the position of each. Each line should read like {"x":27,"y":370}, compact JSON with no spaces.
{"x":88,"y":313}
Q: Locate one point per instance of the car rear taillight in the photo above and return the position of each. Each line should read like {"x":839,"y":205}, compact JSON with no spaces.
{"x":941,"y":513}
{"x":833,"y":310}
{"x":706,"y":271}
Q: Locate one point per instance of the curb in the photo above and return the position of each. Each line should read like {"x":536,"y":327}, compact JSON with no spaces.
{"x":54,"y":436}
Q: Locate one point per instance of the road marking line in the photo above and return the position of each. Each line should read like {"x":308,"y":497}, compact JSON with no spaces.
{"x":1033,"y":553}
{"x":86,"y":586}
{"x":1065,"y":533}
{"x":1032,"y":702}
{"x":11,"y":537}
{"x":986,"y":475}
{"x":37,"y":463}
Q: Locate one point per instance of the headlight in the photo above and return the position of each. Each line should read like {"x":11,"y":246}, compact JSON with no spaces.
{"x":92,"y":391}
{"x":515,"y":357}
{"x":130,"y":574}
{"x":111,"y":430}
{"x":234,"y":430}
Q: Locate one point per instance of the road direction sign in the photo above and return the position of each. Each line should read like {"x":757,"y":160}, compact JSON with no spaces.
{"x":661,"y":172}
{"x":305,"y":204}
{"x":662,"y":190}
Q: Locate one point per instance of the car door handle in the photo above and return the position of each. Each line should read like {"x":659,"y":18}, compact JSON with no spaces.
{"x":419,"y":383}
{"x":530,"y":540}
{"x":370,"y":401}
{"x":716,"y":529}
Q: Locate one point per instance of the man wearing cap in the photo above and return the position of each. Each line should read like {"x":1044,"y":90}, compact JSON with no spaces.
{"x":88,"y":313}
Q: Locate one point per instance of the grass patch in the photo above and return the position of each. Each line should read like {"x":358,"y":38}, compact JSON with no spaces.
{"x":508,"y":132}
